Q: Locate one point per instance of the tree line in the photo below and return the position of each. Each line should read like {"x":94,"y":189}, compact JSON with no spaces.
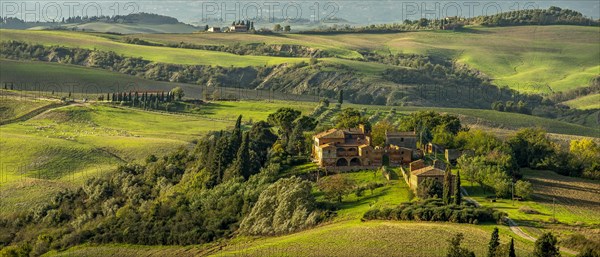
{"x":145,"y":100}
{"x":551,"y":16}
{"x":261,"y":49}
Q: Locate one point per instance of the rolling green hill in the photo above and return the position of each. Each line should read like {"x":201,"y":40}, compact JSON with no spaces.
{"x":133,"y":28}
{"x":535,"y":59}
{"x":151,"y":53}
{"x":585,"y":102}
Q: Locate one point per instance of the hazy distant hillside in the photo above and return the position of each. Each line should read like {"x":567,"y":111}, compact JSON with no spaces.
{"x":123,"y":24}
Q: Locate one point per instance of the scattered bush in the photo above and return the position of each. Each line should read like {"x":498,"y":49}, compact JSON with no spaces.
{"x":435,"y":210}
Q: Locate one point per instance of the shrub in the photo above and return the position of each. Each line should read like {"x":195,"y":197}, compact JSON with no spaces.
{"x":435,"y":210}
{"x":528,"y":210}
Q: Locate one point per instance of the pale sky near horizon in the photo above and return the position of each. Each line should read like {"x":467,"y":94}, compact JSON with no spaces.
{"x":356,"y":12}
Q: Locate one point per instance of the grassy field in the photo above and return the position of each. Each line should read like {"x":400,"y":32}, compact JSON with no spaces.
{"x":134,"y":28}
{"x":535,"y":59}
{"x":152,"y":53}
{"x":349,"y":238}
{"x":538,"y":59}
{"x":42,"y":78}
{"x":585,"y":103}
{"x":570,"y":200}
{"x":14,"y":107}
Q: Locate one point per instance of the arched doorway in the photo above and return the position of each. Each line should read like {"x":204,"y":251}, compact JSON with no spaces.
{"x":386,"y":159}
{"x":341,"y":162}
{"x":355,"y":162}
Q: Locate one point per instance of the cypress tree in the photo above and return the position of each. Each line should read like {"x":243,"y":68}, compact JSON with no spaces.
{"x":447,"y":185}
{"x":236,"y":137}
{"x":457,"y":194}
{"x":221,"y":159}
{"x":494,"y":243}
{"x":341,"y":97}
{"x":241,"y":166}
{"x":511,"y":248}
{"x":107,"y":96}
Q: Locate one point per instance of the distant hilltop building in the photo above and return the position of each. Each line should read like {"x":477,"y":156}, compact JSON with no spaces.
{"x":241,"y":26}
{"x":214,"y":29}
{"x":238,"y":28}
{"x":350,"y":149}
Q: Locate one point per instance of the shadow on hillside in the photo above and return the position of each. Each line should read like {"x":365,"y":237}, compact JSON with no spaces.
{"x":565,"y":200}
{"x":472,"y":31}
{"x":564,"y":186}
{"x":367,"y":199}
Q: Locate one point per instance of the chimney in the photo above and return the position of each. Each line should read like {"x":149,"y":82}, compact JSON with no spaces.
{"x":361,"y":127}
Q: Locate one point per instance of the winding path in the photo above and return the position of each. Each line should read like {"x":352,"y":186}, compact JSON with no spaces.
{"x":514,"y":227}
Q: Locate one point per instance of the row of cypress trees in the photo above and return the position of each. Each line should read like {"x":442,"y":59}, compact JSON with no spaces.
{"x":143,"y":100}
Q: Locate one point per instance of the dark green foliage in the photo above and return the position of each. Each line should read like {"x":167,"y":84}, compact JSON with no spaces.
{"x":511,"y":248}
{"x":178,"y":92}
{"x":436,"y":210}
{"x":283,"y":50}
{"x":446,"y":196}
{"x":341,"y":97}
{"x":457,"y":189}
{"x":455,"y":250}
{"x":530,"y":147}
{"x":242,"y":165}
{"x":428,"y":188}
{"x":431,"y":120}
{"x":178,"y":199}
{"x":351,"y":118}
{"x":551,"y":16}
{"x":291,"y":127}
{"x":494,"y":243}
{"x":284,"y":119}
{"x":261,"y":140}
{"x":545,"y":246}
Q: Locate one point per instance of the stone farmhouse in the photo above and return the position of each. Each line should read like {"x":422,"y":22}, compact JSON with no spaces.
{"x":419,"y":172}
{"x":238,"y":28}
{"x":350,"y":149}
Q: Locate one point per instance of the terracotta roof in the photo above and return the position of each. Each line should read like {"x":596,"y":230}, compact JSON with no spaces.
{"x":397,"y":134}
{"x":332,"y":133}
{"x":338,"y":133}
{"x":428,"y":171}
